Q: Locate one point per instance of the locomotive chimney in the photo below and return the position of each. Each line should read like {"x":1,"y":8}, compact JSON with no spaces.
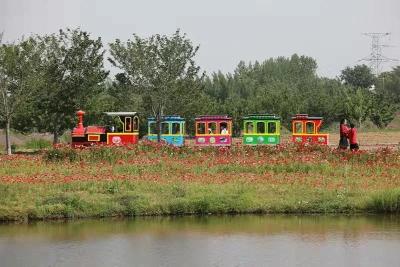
{"x":80,"y":114}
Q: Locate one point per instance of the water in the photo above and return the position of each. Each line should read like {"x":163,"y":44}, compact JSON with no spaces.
{"x":205,"y":241}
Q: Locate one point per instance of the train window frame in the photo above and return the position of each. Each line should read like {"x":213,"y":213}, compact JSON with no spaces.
{"x":307,"y":129}
{"x":179,"y":132}
{"x":183,"y":128}
{"x":258,"y":130}
{"x":295,"y":130}
{"x":225,"y":124}
{"x":152,"y":128}
{"x":209,"y":127}
{"x":128,"y":124}
{"x":246,"y":127}
{"x":135,"y":126}
{"x":201,"y":125}
{"x":163,"y":124}
{"x":275,"y":125}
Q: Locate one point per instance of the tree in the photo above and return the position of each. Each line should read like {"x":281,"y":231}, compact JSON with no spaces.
{"x":357,"y":104}
{"x":160,"y":68}
{"x":358,"y":76}
{"x":72,"y":74}
{"x":382,"y":111}
{"x":18,"y":75}
{"x":389,"y":84}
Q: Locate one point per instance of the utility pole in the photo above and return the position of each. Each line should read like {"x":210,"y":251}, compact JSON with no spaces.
{"x":376,"y":57}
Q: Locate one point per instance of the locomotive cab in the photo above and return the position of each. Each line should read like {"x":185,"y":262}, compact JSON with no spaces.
{"x":305,"y":130}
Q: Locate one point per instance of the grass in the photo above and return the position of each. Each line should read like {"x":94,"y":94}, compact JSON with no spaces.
{"x":159,"y":180}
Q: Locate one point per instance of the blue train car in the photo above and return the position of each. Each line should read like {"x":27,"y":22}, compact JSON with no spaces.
{"x":172,"y":130}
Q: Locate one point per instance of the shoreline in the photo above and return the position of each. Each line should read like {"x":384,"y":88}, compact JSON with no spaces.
{"x":54,"y":202}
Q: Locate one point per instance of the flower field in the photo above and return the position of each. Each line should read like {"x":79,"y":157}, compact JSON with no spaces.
{"x":153,"y":179}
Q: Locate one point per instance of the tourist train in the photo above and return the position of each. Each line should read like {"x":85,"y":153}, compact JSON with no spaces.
{"x":122,"y":128}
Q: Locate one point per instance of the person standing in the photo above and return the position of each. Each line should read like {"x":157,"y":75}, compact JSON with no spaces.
{"x":353,"y":138}
{"x":344,"y":132}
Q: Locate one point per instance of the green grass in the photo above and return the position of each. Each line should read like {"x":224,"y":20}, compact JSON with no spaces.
{"x":26,"y":202}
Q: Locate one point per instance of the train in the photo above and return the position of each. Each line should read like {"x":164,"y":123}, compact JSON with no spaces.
{"x":122,"y":128}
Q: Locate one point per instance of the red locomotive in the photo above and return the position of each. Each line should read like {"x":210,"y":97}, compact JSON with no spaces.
{"x":122,"y":129}
{"x":305,"y":129}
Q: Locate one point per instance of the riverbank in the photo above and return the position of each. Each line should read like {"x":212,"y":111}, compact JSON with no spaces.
{"x":157,"y":180}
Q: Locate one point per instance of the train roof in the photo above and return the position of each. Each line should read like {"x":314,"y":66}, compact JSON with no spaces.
{"x":168,"y":118}
{"x":212,"y":117}
{"x":261,"y":117}
{"x":122,"y":113}
{"x":305,"y":117}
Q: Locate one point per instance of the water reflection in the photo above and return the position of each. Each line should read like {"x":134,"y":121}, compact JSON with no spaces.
{"x":205,"y":241}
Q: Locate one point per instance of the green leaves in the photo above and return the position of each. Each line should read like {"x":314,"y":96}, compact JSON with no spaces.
{"x":161,"y":69}
{"x":72,"y":70}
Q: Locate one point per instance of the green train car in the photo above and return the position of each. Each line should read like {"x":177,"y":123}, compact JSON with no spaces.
{"x":261,"y":129}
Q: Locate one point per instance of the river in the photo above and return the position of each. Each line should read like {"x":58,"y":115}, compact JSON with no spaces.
{"x":248,"y":240}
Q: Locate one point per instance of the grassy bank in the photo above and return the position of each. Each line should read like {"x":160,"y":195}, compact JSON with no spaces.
{"x":156,"y":180}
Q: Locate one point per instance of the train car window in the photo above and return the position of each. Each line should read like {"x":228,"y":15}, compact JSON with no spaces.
{"x":119,"y":125}
{"x":223,"y":128}
{"x":135,"y":123}
{"x":164,"y":128}
{"x":260,"y":127}
{"x":212,"y":127}
{"x":201,"y":128}
{"x":248,"y":128}
{"x":128,"y":124}
{"x":298,"y":127}
{"x":271,"y":127}
{"x":176,"y":128}
{"x":152,"y":128}
{"x":310,"y":127}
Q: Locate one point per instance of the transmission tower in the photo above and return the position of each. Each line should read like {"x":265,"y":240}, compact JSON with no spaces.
{"x":376,"y":57}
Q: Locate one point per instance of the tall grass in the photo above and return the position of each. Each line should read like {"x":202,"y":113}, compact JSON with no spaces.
{"x":37,"y":144}
{"x":387,"y":201}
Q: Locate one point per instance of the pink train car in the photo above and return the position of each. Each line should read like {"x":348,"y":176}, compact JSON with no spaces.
{"x":213,"y":130}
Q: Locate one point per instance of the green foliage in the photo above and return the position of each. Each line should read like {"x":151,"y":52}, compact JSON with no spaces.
{"x":18,"y":77}
{"x":357,"y":104}
{"x":72,"y":74}
{"x":358,"y":76}
{"x":389,"y":84}
{"x":383,"y":110}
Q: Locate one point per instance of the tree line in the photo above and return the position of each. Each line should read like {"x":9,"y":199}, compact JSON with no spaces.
{"x":45,"y":79}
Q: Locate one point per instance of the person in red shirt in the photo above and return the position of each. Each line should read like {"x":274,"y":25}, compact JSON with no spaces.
{"x":344,"y":132}
{"x":353,"y":138}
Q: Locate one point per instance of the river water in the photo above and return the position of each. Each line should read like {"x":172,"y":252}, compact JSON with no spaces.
{"x":205,"y":241}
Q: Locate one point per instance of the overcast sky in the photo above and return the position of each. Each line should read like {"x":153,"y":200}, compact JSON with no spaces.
{"x":226,"y":30}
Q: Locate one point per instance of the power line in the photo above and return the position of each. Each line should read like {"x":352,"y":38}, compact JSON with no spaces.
{"x":376,"y":57}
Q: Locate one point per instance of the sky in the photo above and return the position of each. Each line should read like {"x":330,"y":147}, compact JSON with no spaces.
{"x":226,"y":30}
